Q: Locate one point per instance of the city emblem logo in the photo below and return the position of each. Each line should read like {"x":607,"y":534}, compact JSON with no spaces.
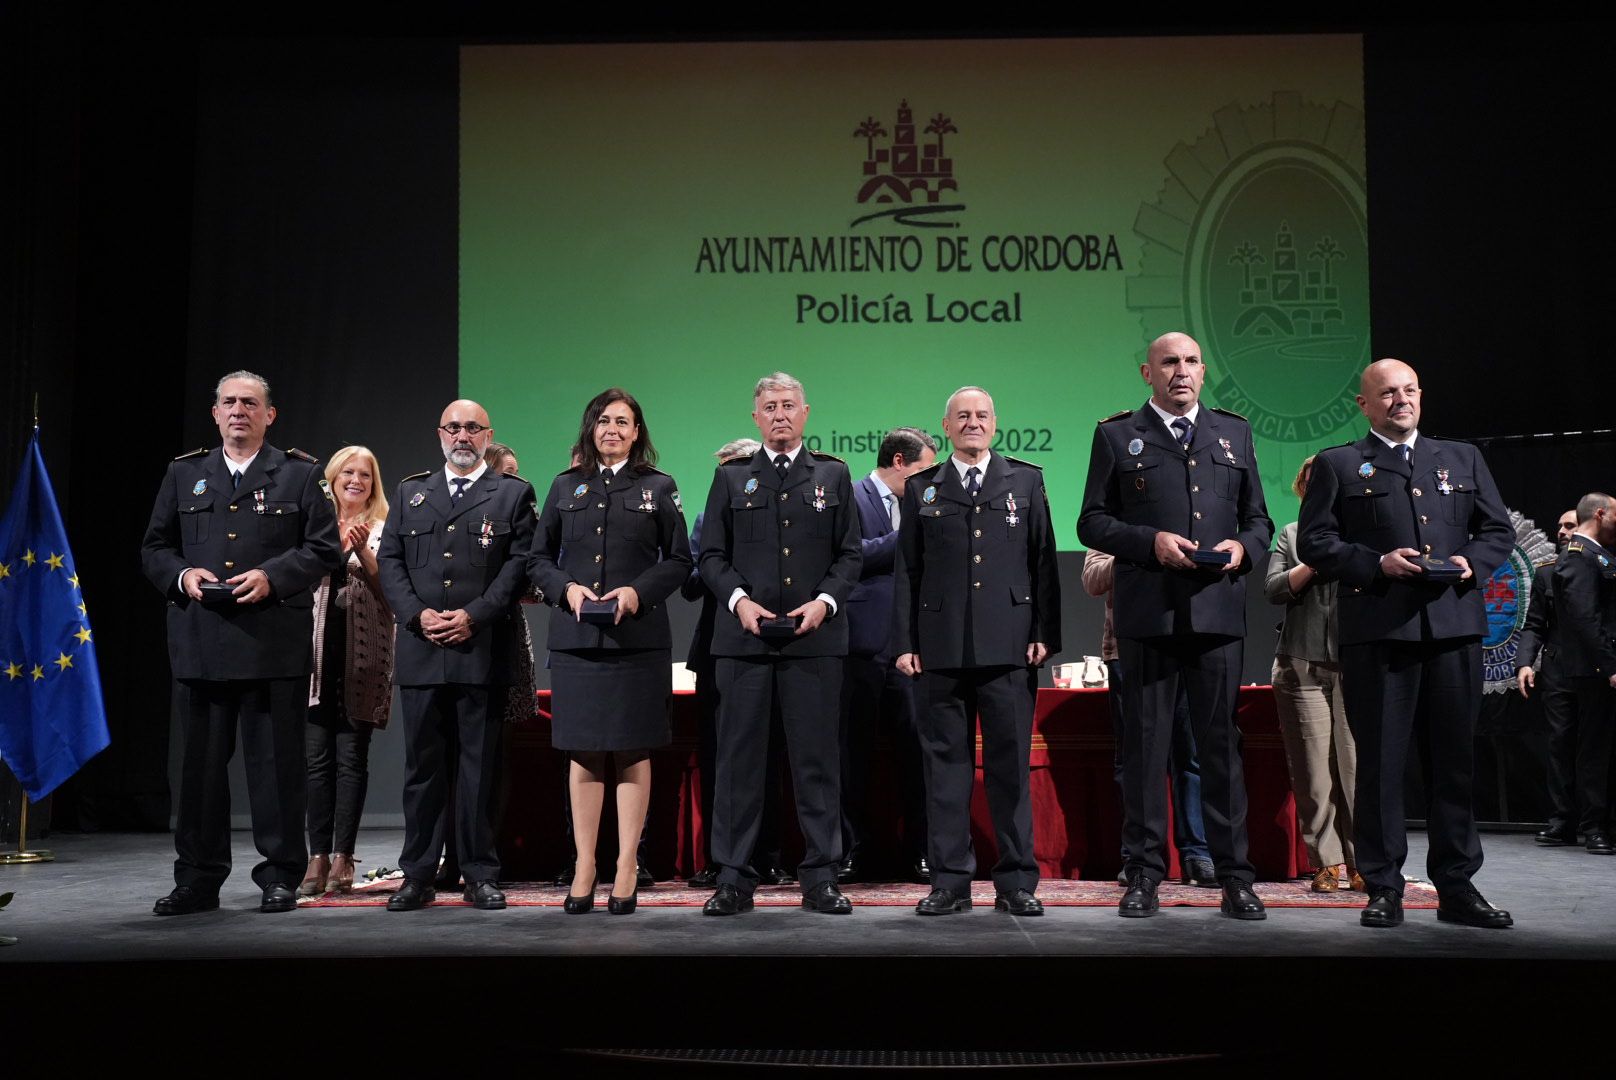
{"x":1506,"y":596}
{"x":908,"y":171}
{"x":201,"y":486}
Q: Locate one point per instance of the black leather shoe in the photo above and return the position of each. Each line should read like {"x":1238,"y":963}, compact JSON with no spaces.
{"x":1020,"y":902}
{"x":1598,"y":843}
{"x":1467,"y":906}
{"x":1199,"y":872}
{"x":623,"y":905}
{"x":1552,"y":837}
{"x":580,"y":905}
{"x":185,"y":900}
{"x":706,"y":878}
{"x":484,"y":896}
{"x":278,"y":897}
{"x":848,"y":870}
{"x":563,"y":878}
{"x":728,"y":900}
{"x":943,"y":902}
{"x":643,"y":878}
{"x":775,"y":875}
{"x":1239,"y":902}
{"x":827,"y":899}
{"x":920,"y":871}
{"x":1385,"y":908}
{"x":412,"y":896}
{"x":1140,"y":901}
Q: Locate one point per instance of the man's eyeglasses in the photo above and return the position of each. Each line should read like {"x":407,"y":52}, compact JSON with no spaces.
{"x":455,"y":427}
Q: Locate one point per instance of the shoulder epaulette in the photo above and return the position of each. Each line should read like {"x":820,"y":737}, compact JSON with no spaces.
{"x":1230,"y":412}
{"x":1123,"y":415}
{"x":827,"y":457}
{"x":1019,"y":461}
{"x":294,"y":452}
{"x":735,"y":461}
{"x":416,"y":476}
{"x":1574,"y":545}
{"x":198,"y":452}
{"x":652,"y":469}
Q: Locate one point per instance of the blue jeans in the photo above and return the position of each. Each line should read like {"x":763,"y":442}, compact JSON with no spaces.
{"x":1185,"y":770}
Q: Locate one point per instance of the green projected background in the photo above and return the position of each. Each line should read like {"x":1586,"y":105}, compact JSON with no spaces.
{"x":890,"y":220}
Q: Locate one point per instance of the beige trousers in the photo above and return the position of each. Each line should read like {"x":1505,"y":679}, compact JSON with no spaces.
{"x":1322,"y":757}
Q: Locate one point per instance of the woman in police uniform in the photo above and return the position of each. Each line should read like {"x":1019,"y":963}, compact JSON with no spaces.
{"x":612,"y":530}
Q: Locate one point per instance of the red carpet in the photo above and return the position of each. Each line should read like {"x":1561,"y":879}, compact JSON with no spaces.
{"x":1055,"y":893}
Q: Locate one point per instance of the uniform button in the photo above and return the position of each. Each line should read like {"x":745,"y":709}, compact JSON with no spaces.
{"x":1368,"y":491}
{"x":786,"y":523}
{"x":229,"y":565}
{"x":233,"y":508}
{"x":788,"y":581}
{"x":1428,"y":549}
{"x":978,"y":509}
{"x":1418,"y":493}
{"x":1195,"y":489}
{"x":784,"y":496}
{"x":447,"y":583}
{"x":597,"y":558}
{"x":412,"y":532}
{"x":596,"y":586}
{"x":448,"y":554}
{"x":977,"y":532}
{"x":785,"y":551}
{"x":976,"y":558}
{"x":230,"y":536}
{"x":976,"y":584}
{"x":1424,"y":520}
{"x":1197,"y":515}
{"x":1192,"y":463}
{"x":278,"y":510}
{"x":600,"y":506}
{"x":599,"y":529}
{"x":449,"y":527}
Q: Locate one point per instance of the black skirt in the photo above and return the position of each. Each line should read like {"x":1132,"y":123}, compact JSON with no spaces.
{"x":610,"y":699}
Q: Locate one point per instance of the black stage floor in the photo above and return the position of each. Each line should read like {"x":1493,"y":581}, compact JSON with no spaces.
{"x":1307,"y":984}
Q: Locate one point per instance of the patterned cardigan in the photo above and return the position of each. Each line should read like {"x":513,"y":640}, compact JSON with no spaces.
{"x":368,"y":667}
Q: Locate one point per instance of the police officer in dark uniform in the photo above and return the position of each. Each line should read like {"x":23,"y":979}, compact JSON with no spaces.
{"x":1387,"y":517}
{"x":612,"y":532}
{"x":1583,"y":599}
{"x":1539,"y":632}
{"x":780,"y":552}
{"x":453,"y":565}
{"x":238,"y":536}
{"x":976,"y":610}
{"x":1173,"y":493}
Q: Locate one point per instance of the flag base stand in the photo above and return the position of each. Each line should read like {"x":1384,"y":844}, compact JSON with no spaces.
{"x":16,"y":858}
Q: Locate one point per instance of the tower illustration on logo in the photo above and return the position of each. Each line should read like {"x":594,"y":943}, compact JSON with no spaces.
{"x":908,"y":171}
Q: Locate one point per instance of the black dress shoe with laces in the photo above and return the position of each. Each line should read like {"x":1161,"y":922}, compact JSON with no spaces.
{"x":1385,"y":908}
{"x":1598,"y":843}
{"x":1467,"y":906}
{"x":1553,"y":837}
{"x":827,"y":899}
{"x":411,"y":896}
{"x":705,"y":878}
{"x":943,"y":902}
{"x":1200,"y":873}
{"x":185,"y":900}
{"x":278,"y":897}
{"x":728,"y":900}
{"x":484,"y":896}
{"x":920,"y":871}
{"x":1239,"y":902}
{"x":848,"y":870}
{"x":1020,"y":902}
{"x":1140,"y":901}
{"x":776,"y":875}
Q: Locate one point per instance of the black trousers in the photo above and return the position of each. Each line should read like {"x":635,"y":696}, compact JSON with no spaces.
{"x":1428,"y":694}
{"x":1580,"y":713}
{"x":270,"y":715}
{"x":451,"y":727}
{"x":950,"y":701}
{"x":807,"y":692}
{"x":875,"y":694}
{"x":338,"y":759}
{"x":1207,"y":668}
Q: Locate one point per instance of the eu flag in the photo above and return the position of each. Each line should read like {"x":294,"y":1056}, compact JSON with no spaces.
{"x":51,"y":717}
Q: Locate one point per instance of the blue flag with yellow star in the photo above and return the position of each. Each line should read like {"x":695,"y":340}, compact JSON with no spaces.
{"x":52,"y":719}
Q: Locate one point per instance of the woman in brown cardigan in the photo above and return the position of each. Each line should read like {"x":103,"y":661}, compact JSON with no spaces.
{"x":350,"y":690}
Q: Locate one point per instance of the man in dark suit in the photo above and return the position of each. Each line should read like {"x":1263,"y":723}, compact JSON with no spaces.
{"x":1539,"y":644}
{"x":1581,"y":670}
{"x":237,"y":537}
{"x":780,"y":552}
{"x":453,"y":566}
{"x":976,"y":610}
{"x":1389,"y":517}
{"x":1173,"y":493}
{"x":874,"y":692}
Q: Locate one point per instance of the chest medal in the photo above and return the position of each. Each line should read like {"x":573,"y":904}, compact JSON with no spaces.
{"x":1442,"y":484}
{"x":646,"y":502}
{"x":1011,"y":519}
{"x":819,"y":498}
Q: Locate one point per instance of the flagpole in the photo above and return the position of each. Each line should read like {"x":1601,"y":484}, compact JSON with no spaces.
{"x":22,"y":854}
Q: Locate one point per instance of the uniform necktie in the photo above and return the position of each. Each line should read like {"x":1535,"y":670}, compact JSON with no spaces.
{"x":1403,"y":450}
{"x":235,"y":480}
{"x":459,"y":483}
{"x":972,"y":487}
{"x":782,"y":465}
{"x":892,"y":510}
{"x":606,"y":477}
{"x":1185,"y":431}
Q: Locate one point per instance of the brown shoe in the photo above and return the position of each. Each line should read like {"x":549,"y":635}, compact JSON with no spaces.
{"x":315,"y":878}
{"x":1355,"y":880}
{"x":342,"y":873}
{"x":1325,"y":880}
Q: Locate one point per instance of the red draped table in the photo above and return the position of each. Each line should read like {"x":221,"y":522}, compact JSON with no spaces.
{"x":1077,"y":813}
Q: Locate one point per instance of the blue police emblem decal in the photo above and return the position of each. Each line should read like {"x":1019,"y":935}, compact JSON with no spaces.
{"x":1136,"y":446}
{"x":201,"y":486}
{"x":418,"y":498}
{"x":1506,"y":596}
{"x":929,"y":496}
{"x":1366,"y":470}
{"x":580,"y":491}
{"x":751,"y":486}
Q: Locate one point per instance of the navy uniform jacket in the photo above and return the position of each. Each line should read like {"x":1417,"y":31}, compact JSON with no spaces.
{"x":869,"y":606}
{"x":630,"y":534}
{"x":1539,"y":630}
{"x":436,"y":553}
{"x":1585,"y":600}
{"x":959,"y":561}
{"x":279,"y":521}
{"x":784,"y":544}
{"x":1141,"y":482}
{"x":1349,"y":520}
